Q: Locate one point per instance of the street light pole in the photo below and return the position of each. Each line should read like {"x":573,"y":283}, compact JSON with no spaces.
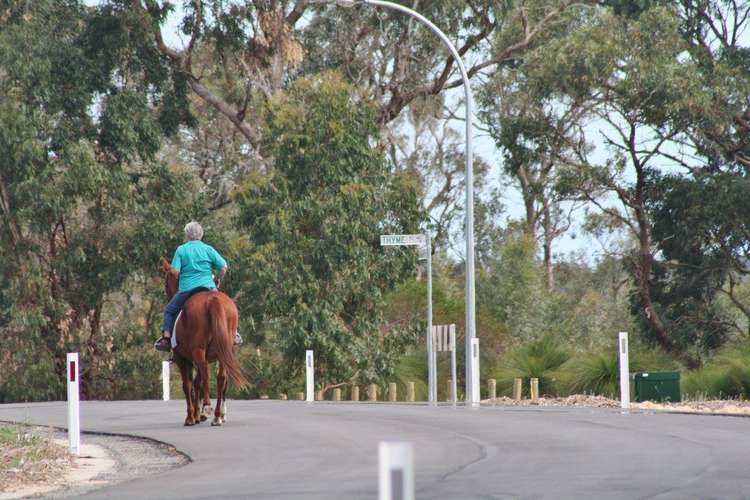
{"x":472,"y":379}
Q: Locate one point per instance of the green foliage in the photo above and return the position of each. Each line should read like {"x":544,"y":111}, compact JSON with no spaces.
{"x":317,"y":273}
{"x":727,"y":375}
{"x":701,"y":226}
{"x":512,"y":288}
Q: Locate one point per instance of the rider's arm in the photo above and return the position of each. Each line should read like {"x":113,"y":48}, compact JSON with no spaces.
{"x":176,"y":264}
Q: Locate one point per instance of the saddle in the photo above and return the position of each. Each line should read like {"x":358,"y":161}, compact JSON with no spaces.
{"x":173,"y":339}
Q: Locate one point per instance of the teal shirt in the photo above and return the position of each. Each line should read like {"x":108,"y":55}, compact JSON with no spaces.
{"x":195,"y":261}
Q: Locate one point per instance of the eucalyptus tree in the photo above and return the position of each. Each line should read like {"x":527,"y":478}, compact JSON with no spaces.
{"x":315,"y":271}
{"x":655,"y":105}
{"x":84,"y":206}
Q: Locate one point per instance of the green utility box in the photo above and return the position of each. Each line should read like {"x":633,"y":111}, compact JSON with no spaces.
{"x":657,"y":386}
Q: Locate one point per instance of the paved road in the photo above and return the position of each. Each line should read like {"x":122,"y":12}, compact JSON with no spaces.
{"x":288,"y":449}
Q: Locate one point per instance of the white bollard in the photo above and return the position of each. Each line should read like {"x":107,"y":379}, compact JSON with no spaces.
{"x":74,"y":416}
{"x":395,"y":471}
{"x":310,"y":376}
{"x":624,"y":372}
{"x":475,"y":398}
{"x":165,"y":372}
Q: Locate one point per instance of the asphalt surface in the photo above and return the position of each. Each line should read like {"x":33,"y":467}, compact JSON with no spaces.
{"x":290,"y":449}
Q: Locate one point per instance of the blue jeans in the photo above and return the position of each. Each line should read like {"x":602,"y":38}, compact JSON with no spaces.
{"x":174,"y":307}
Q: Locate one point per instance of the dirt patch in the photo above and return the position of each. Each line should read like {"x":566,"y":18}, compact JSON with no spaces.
{"x":30,"y":457}
{"x":574,"y":400}
{"x":104,"y":460}
{"x":717,"y":407}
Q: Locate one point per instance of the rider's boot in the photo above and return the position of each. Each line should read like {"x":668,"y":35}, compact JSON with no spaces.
{"x":163,"y":344}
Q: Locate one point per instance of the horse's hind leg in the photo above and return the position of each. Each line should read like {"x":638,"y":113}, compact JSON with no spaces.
{"x":196,"y":398}
{"x":221,"y":386}
{"x":202,"y":365}
{"x":186,"y":372}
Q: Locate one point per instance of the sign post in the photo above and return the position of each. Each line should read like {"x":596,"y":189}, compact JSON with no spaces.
{"x":395,"y":471}
{"x":421,"y":240}
{"x":165,"y":372}
{"x":624,"y":372}
{"x":444,"y":339}
{"x":310,"y":376}
{"x":74,"y":416}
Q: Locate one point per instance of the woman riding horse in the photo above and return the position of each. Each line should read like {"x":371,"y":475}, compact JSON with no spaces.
{"x":193,"y":263}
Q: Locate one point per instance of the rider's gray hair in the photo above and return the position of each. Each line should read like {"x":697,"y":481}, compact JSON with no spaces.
{"x":193,"y":231}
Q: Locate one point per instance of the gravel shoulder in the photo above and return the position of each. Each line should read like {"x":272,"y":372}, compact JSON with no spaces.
{"x":711,"y":407}
{"x":104,"y":460}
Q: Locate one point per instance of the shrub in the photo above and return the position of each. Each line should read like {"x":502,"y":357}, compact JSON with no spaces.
{"x":727,"y":375}
{"x":536,"y":359}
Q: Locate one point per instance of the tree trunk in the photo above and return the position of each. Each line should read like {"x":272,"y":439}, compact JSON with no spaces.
{"x":549,"y":272}
{"x":644,"y":265}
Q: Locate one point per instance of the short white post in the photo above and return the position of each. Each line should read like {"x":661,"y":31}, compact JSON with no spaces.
{"x":74,"y":416}
{"x":165,"y":372}
{"x":310,"y":369}
{"x":624,"y":372}
{"x":395,"y":471}
{"x":475,"y":399}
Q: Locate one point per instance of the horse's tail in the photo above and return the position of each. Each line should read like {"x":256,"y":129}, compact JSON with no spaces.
{"x":224,"y":342}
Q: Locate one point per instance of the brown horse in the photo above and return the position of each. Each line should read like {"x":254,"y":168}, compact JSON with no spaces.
{"x":205,"y":333}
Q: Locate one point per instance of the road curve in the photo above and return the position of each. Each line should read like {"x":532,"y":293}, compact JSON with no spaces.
{"x":290,"y":449}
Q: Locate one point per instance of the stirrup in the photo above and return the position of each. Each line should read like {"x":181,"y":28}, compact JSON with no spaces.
{"x":163,"y":344}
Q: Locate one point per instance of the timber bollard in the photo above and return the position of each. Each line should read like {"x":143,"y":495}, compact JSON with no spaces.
{"x":372,"y":392}
{"x":301,"y":396}
{"x":491,"y":388}
{"x":517,"y":389}
{"x":449,"y":390}
{"x":318,"y":395}
{"x":392,"y":392}
{"x":534,"y":389}
{"x":355,"y":393}
{"x":337,"y":394}
{"x":282,"y":397}
{"x":410,"y":391}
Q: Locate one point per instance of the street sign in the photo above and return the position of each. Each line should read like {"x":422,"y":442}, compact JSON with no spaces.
{"x":402,"y":239}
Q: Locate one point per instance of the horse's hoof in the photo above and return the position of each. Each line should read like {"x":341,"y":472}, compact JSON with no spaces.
{"x":217,"y":421}
{"x":189,"y":423}
{"x":206,"y":412}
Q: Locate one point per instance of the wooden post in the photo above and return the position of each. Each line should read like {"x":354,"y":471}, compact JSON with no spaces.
{"x":517,"y":389}
{"x":318,"y":395}
{"x":355,"y":393}
{"x":282,"y":397}
{"x":534,"y":389}
{"x":392,"y":392}
{"x":301,"y":396}
{"x":492,"y":388}
{"x":449,"y":390}
{"x":372,"y":392}
{"x":337,"y":394}
{"x":410,"y":391}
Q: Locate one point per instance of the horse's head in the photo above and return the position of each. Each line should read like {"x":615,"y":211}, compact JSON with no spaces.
{"x":172,"y":281}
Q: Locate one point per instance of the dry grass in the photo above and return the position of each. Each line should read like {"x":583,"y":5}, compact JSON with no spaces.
{"x":29,"y":456}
